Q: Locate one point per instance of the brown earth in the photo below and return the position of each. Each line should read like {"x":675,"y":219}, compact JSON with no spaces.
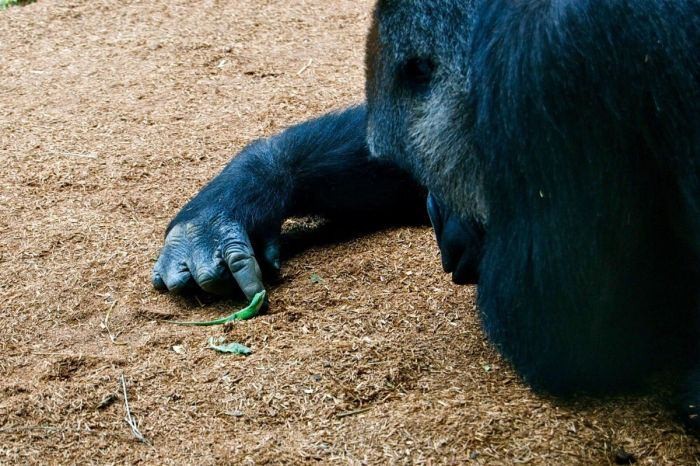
{"x":112,"y":114}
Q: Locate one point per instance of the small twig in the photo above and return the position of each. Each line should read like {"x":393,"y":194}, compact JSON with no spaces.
{"x":352,"y":413}
{"x":305,"y":67}
{"x":105,"y":322}
{"x":88,"y":155}
{"x":54,"y":430}
{"x":43,"y":429}
{"x":129,"y":418}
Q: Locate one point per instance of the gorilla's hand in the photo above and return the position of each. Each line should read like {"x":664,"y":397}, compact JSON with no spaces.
{"x":319,"y":167}
{"x":212,"y":249}
{"x":460,"y":242}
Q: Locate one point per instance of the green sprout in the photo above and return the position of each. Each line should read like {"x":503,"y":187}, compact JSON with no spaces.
{"x":250,"y":311}
{"x":5,"y":4}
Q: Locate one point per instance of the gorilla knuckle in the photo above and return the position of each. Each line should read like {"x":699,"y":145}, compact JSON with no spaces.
{"x":208,"y":276}
{"x":177,"y":282}
{"x":238,"y":260}
{"x":157,"y":280}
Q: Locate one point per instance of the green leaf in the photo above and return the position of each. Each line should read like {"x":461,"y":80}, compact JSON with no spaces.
{"x":5,"y":4}
{"x":217,"y":344}
{"x":252,"y":310}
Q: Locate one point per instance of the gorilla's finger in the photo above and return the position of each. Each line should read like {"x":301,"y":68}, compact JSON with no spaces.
{"x":210,"y":272}
{"x":238,"y":254}
{"x":166,"y":273}
{"x":157,"y":271}
{"x":157,"y":281}
{"x":435,"y":215}
{"x":466,"y":272}
{"x":271,"y":254}
{"x":447,"y":234}
{"x":452,"y":245}
{"x":170,"y":271}
{"x":246,"y":272}
{"x":177,"y":277}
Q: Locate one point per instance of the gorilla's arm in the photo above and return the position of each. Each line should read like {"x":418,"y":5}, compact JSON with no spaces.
{"x":319,"y":167}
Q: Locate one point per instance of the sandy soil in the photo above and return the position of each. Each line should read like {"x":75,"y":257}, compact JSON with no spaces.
{"x":112,"y":114}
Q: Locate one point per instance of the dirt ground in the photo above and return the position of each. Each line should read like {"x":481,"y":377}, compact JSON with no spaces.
{"x":112,"y":114}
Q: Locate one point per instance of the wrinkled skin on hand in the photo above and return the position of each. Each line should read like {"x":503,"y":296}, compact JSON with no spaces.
{"x":460,"y":242}
{"x":213,"y":251}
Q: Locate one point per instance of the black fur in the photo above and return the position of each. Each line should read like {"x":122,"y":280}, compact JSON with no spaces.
{"x":576,"y":127}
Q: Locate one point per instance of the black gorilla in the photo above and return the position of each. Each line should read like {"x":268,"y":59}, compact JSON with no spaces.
{"x":560,"y":142}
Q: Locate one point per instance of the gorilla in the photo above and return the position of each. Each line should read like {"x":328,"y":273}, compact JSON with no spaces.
{"x":558,"y":145}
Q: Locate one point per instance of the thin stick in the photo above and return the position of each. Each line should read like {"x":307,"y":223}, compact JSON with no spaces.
{"x":88,"y":155}
{"x":105,"y":322}
{"x":352,"y":413}
{"x":305,"y":67}
{"x":43,"y":428}
{"x":129,"y":418}
{"x":52,"y":430}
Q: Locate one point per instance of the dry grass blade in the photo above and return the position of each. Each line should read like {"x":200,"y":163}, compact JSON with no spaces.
{"x":129,"y":418}
{"x":105,"y":325}
{"x":13,"y":429}
{"x":305,"y":67}
{"x":78,"y":155}
{"x":352,"y":413}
